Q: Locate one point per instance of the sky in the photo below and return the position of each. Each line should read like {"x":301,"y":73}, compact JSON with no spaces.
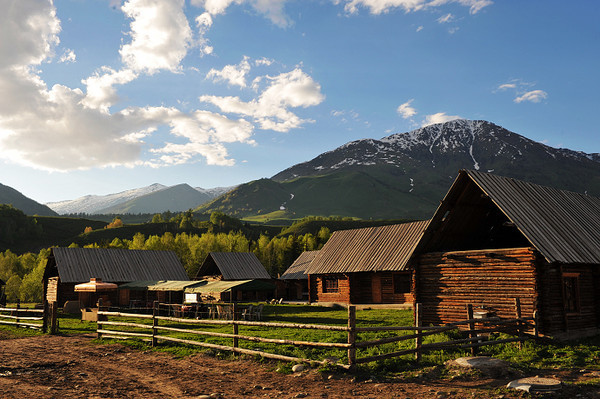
{"x":102,"y":96}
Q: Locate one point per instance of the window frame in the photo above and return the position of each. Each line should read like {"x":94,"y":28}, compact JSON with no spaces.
{"x":406,"y":278}
{"x":331,"y":285}
{"x":571,"y":289}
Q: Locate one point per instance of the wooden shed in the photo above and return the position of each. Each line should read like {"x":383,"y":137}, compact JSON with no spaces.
{"x":236,"y":266}
{"x":366,"y":266}
{"x":295,"y":278}
{"x":494,"y":239}
{"x":67,"y":267}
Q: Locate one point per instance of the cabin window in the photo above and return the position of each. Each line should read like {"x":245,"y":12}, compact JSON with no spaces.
{"x":401,"y":283}
{"x":571,"y":292}
{"x":330,"y":284}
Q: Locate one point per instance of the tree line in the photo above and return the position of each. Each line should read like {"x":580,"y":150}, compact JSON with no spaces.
{"x":23,"y":274}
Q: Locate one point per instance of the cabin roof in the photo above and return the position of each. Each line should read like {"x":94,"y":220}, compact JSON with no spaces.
{"x":383,"y":248}
{"x":233,"y":266}
{"x":77,"y":265}
{"x":563,"y":226}
{"x":297,"y":269}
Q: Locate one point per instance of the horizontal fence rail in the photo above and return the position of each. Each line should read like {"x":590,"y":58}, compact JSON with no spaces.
{"x":474,"y":332}
{"x":23,"y":317}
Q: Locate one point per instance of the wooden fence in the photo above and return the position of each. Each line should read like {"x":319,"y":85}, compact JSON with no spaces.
{"x":476,"y":331}
{"x":23,"y":317}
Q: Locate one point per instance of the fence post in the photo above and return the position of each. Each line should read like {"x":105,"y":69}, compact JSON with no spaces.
{"x":519,"y":325}
{"x":53,"y":318}
{"x":352,"y":337}
{"x":45,"y":318}
{"x":99,"y":319}
{"x":235,"y":326}
{"x":17,"y":312}
{"x":419,"y":338}
{"x":536,"y":321}
{"x":154,"y":322}
{"x":471,"y":327}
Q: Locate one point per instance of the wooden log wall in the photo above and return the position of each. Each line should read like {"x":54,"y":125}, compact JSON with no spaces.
{"x":343,"y":294}
{"x":449,"y":281}
{"x":555,"y":319}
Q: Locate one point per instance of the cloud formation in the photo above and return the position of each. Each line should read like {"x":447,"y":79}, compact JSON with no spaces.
{"x":384,"y":6}
{"x":405,"y":110}
{"x":439,"y":117}
{"x":523,"y":91}
{"x":534,"y":96}
{"x":61,"y":128}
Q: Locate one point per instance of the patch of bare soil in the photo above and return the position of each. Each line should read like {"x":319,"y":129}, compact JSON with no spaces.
{"x":74,"y":367}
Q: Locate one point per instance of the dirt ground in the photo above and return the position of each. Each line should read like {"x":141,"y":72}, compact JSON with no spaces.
{"x":75,"y":367}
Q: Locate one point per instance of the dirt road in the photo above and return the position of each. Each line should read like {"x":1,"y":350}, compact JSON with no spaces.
{"x":74,"y":367}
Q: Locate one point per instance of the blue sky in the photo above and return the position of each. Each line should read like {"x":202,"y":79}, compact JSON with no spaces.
{"x":101,"y":96}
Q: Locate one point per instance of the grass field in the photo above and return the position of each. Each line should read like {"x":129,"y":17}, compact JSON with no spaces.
{"x":578,"y":354}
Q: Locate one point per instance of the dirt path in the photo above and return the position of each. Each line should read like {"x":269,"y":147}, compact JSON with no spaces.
{"x":74,"y":367}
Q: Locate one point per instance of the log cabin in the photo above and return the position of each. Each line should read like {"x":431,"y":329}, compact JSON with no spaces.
{"x":295,"y":278}
{"x":67,"y":267}
{"x":494,"y":239}
{"x":236,"y":266}
{"x":366,"y":266}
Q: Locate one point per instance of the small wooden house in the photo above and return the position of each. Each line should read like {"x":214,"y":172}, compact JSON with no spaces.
{"x":236,"y":266}
{"x":67,"y":267}
{"x":366,"y":266}
{"x":295,"y":278}
{"x":494,"y":239}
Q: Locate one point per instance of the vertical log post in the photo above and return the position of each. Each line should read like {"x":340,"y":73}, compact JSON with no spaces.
{"x":519,"y":324}
{"x":99,"y":319}
{"x":235,"y":326}
{"x":471,"y":327}
{"x":17,"y":312}
{"x":419,"y":338}
{"x":53,"y":318}
{"x":45,"y":317}
{"x":536,"y":321}
{"x":352,"y":337}
{"x":154,"y":322}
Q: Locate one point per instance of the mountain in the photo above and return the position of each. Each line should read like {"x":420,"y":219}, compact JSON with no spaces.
{"x":405,"y":175}
{"x":92,"y":204}
{"x":9,"y":195}
{"x":175,"y":198}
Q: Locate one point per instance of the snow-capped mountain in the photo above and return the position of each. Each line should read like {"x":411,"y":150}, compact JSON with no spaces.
{"x":405,"y":175}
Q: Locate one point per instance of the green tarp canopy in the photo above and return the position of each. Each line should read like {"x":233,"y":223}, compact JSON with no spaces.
{"x":162,"y":285}
{"x":238,"y":285}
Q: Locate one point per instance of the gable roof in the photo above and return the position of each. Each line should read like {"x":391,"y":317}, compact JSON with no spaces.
{"x":297,"y":269}
{"x":563,"y":226}
{"x":233,"y":266}
{"x":383,"y":248}
{"x":76,"y":265}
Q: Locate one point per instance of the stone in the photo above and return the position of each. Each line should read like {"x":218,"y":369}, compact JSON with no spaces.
{"x":486,"y":365}
{"x":536,"y":384}
{"x":298,"y":368}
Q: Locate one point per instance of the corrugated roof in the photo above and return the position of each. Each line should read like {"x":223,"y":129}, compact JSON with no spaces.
{"x":173,"y":285}
{"x":220,"y":286}
{"x":563,"y":226}
{"x":297,"y":269}
{"x":77,"y":265}
{"x":384,"y":248}
{"x":235,"y":266}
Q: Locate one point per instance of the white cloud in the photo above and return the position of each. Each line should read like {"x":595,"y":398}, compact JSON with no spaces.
{"x":384,"y":6}
{"x":445,"y":18}
{"x":420,"y":28}
{"x":272,"y":9}
{"x":270,"y":111}
{"x":534,"y":96}
{"x":440,"y":117}
{"x":101,"y":93}
{"x":68,"y":56}
{"x":160,"y":35}
{"x":405,"y":110}
{"x":523,"y":91}
{"x":233,"y":74}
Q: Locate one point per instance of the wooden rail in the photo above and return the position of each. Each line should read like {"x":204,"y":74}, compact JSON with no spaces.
{"x":475,"y":336}
{"x":23,"y":317}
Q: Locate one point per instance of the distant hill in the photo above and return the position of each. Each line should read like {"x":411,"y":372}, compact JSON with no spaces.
{"x":405,"y":175}
{"x":139,"y":199}
{"x":176,"y":199}
{"x":10,"y":196}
